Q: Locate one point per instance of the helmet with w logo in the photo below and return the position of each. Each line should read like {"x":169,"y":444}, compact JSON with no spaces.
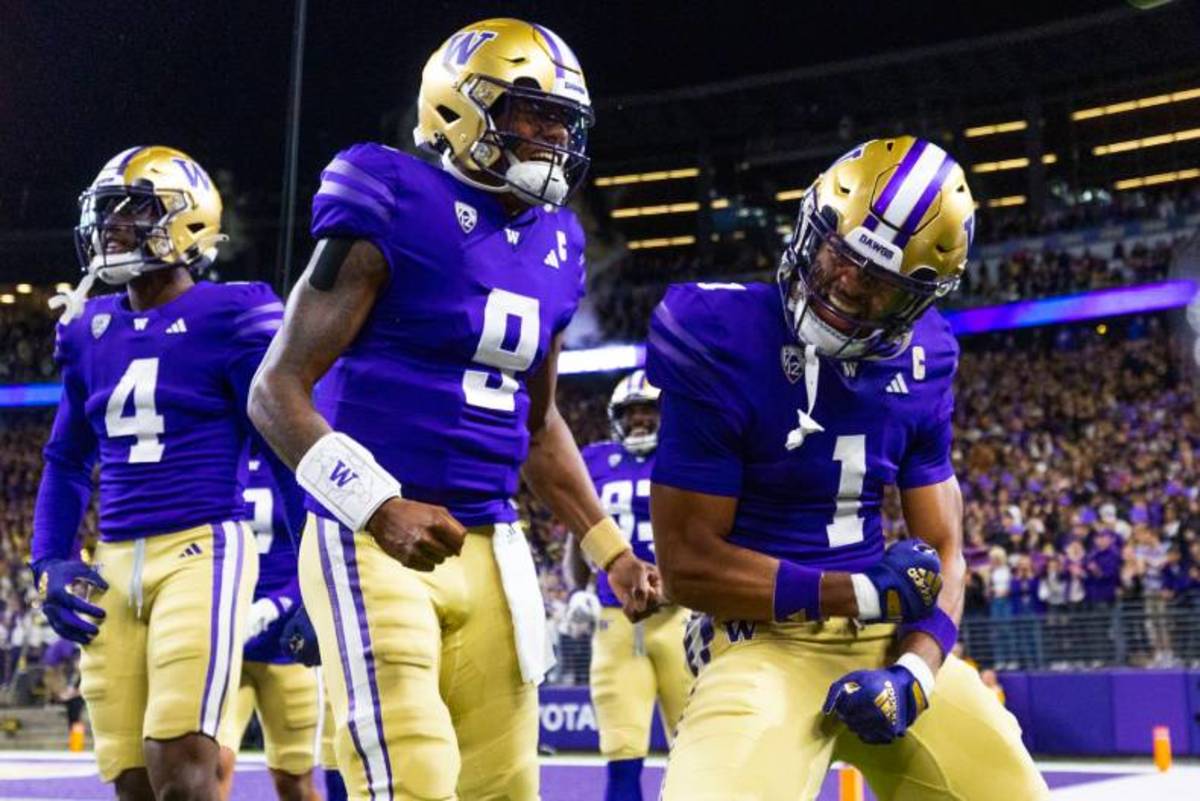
{"x":485,"y":70}
{"x":149,"y":208}
{"x":882,"y":234}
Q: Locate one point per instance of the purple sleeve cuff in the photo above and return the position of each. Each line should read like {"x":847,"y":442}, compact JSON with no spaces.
{"x":797,"y":589}
{"x":939,"y":626}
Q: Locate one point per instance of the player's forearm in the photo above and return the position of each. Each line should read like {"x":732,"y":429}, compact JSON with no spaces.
{"x":558,"y":477}
{"x":934,"y":514}
{"x":575,"y":567}
{"x":62,"y":500}
{"x":735,"y":582}
{"x":281,"y":409}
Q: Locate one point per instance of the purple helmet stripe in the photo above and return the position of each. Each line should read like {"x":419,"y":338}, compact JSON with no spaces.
{"x":871,"y":223}
{"x":901,"y":173}
{"x":331,"y":588}
{"x":555,"y":53}
{"x":129,"y":154}
{"x":909,"y":226}
{"x":368,"y":651}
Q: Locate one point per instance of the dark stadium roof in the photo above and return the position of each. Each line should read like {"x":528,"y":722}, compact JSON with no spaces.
{"x":78,"y":82}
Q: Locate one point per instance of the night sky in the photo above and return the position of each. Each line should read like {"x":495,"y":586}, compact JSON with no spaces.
{"x":81,"y":81}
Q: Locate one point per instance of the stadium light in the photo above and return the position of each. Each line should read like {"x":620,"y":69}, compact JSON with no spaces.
{"x":1011,"y":164}
{"x":62,"y":286}
{"x":601,"y":360}
{"x":1009,"y":200}
{"x":996,"y":128}
{"x":647,"y":177}
{"x":1157,"y":178}
{"x":7,"y":298}
{"x":790,"y":194}
{"x":648,"y":211}
{"x":660,"y":242}
{"x":1135,"y":105}
{"x":24,"y":289}
{"x":1146,"y":141}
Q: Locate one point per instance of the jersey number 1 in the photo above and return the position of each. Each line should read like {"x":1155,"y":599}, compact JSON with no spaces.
{"x":501,"y":307}
{"x":850,"y":452}
{"x":145,"y":423}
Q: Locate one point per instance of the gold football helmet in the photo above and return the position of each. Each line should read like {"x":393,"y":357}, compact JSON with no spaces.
{"x":882,"y":234}
{"x":633,"y":389}
{"x":472,"y":83}
{"x":149,"y":208}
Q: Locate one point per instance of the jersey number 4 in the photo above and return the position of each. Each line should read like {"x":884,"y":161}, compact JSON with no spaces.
{"x":140,"y":379}
{"x":503,"y":306}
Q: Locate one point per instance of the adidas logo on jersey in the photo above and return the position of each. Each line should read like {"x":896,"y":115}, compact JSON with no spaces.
{"x":192,"y":550}
{"x":177,"y":327}
{"x":557,"y":256}
{"x":898,"y":386}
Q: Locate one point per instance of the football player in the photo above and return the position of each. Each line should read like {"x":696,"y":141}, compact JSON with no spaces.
{"x":434,"y":307}
{"x":632,"y":664}
{"x":785,"y":412}
{"x":155,"y":384}
{"x":273,"y":683}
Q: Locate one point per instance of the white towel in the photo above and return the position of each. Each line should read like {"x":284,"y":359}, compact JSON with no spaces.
{"x":519,"y":577}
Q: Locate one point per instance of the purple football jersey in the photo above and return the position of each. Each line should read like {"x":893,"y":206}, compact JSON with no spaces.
{"x":159,"y":396}
{"x":734,"y":389}
{"x":278,"y":578}
{"x":622,"y":481}
{"x":435,"y":383}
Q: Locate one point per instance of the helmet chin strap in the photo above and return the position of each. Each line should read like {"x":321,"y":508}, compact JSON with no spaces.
{"x":451,"y":166}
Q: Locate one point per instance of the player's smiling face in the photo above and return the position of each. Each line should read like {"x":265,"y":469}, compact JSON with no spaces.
{"x":640,"y":419}
{"x":123,"y":223}
{"x":534,"y":123}
{"x":856,"y":298}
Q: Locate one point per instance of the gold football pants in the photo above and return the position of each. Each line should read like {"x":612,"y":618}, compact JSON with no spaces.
{"x":285,"y":697}
{"x":421,"y":671}
{"x":632,"y":666}
{"x":753,"y":729}
{"x":171,"y":638}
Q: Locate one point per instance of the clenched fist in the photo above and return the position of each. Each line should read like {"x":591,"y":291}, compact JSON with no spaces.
{"x":637,"y":585}
{"x":417,"y":535}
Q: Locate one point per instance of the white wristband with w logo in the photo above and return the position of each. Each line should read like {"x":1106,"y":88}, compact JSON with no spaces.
{"x":344,"y":477}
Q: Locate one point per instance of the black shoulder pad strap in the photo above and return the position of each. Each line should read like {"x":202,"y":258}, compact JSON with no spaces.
{"x":326,"y":261}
